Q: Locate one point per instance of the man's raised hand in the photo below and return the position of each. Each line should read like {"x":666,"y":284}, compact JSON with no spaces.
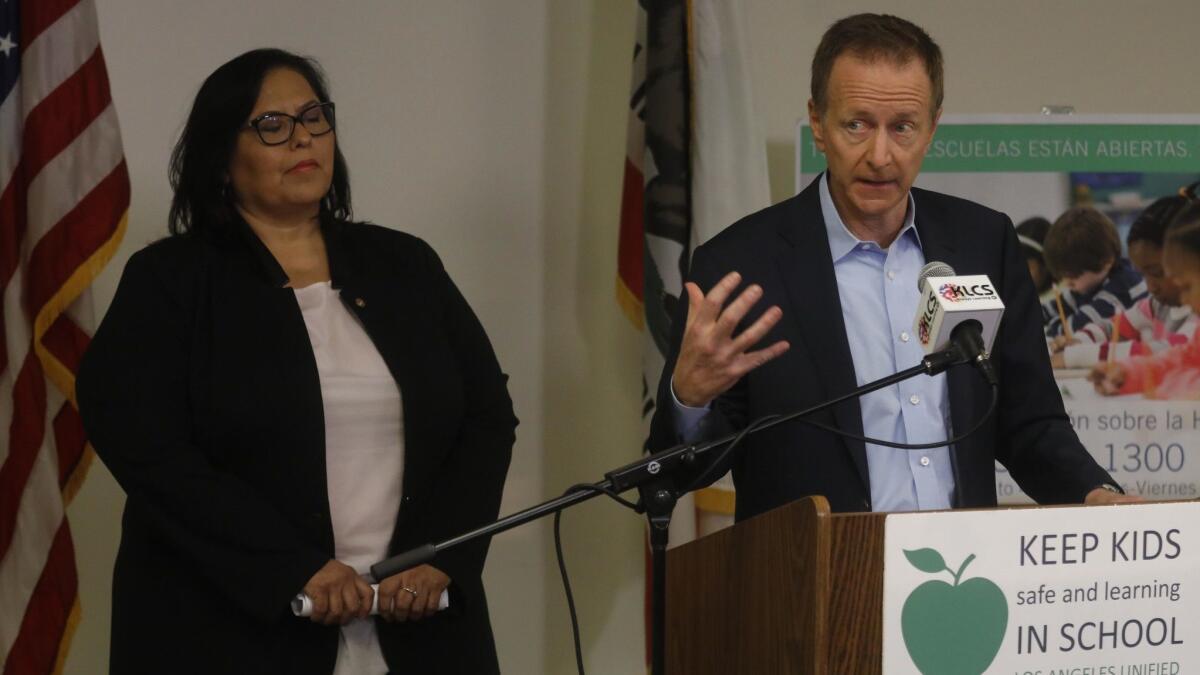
{"x":711,"y":358}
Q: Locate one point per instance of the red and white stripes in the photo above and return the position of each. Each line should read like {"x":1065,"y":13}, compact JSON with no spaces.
{"x":64,"y":197}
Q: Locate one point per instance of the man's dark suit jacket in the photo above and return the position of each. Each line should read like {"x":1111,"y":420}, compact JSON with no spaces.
{"x":200,"y":392}
{"x":785,"y":249}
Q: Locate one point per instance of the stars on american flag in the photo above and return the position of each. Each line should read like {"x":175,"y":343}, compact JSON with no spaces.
{"x":6,"y":43}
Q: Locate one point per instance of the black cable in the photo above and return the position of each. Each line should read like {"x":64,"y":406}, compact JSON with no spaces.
{"x":562,"y":563}
{"x":847,"y":434}
{"x":914,"y":446}
{"x":750,"y":428}
{"x":562,"y":570}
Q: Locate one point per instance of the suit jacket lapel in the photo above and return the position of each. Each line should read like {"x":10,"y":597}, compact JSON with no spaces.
{"x":806,"y":266}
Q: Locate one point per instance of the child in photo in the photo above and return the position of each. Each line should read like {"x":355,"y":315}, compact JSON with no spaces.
{"x":1157,"y":321}
{"x":1083,"y":251}
{"x":1030,"y":235}
{"x":1175,"y":373}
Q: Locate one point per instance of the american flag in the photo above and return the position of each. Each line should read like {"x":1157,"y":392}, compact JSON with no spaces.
{"x":64,"y":201}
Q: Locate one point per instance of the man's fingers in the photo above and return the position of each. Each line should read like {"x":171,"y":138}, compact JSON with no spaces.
{"x":757,"y":330}
{"x":695,"y":301}
{"x":736,"y":311}
{"x":751,"y":360}
{"x":713,"y":302}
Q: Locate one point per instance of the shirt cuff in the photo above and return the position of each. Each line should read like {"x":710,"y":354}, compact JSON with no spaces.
{"x":687,"y":418}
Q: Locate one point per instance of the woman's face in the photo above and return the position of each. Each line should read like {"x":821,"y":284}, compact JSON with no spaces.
{"x":1183,"y":268}
{"x":1147,"y":258}
{"x":286,"y":181}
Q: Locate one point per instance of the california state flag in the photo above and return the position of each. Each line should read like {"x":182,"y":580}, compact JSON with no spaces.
{"x":695,"y":162}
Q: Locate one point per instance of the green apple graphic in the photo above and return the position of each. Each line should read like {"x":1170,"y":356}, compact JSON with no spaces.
{"x":952,"y":630}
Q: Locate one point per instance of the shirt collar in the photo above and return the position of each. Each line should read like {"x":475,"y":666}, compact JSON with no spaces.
{"x":841,"y":240}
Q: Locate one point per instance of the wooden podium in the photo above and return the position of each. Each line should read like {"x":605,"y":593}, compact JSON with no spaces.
{"x":798,"y":590}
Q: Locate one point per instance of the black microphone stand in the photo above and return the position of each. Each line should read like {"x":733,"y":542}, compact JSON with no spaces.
{"x":658,"y":478}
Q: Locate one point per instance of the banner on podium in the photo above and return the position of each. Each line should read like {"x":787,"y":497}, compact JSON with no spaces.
{"x":1061,"y":591}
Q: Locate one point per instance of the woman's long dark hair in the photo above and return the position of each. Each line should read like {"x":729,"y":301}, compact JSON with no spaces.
{"x":199,"y":169}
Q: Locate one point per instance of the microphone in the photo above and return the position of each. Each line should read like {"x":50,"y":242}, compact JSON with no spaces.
{"x":962,"y":312}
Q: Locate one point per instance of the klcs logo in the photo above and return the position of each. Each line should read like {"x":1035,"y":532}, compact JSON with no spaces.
{"x":925,"y":325}
{"x":955,"y":293}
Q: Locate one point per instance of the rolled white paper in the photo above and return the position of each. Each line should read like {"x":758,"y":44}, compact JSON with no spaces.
{"x":302,"y":604}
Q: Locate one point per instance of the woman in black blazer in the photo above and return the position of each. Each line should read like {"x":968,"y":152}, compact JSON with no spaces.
{"x":205,"y":391}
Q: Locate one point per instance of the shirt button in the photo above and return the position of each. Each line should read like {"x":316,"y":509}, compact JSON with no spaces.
{"x":360,"y":303}
{"x":891,"y":274}
{"x":914,"y":399}
{"x":904,"y":337}
{"x":924,"y":461}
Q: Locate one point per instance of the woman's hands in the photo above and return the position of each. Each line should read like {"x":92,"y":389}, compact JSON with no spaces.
{"x":338,"y":594}
{"x":412,"y":594}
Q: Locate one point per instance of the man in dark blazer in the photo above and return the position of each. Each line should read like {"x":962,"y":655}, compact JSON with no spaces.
{"x":835,"y":269}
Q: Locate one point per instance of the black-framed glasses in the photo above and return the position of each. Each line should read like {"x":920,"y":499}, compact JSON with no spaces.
{"x":1191,"y":192}
{"x":276,"y":128}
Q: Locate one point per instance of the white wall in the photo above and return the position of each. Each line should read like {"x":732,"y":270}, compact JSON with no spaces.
{"x":495,"y":129}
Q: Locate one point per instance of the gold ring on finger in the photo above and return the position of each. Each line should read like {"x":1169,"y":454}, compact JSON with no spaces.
{"x":406,"y":588}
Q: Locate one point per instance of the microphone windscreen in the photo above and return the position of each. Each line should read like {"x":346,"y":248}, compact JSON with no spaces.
{"x":933,"y":268}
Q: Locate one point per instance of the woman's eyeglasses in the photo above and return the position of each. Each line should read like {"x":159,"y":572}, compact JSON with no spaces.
{"x":276,"y":128}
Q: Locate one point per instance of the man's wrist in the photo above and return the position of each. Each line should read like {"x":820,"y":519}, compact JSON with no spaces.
{"x":679,"y":402}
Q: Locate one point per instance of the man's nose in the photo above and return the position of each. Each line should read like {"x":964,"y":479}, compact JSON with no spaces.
{"x":879,"y":154}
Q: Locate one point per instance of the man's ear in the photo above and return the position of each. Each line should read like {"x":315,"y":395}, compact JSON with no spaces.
{"x":817,"y":124}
